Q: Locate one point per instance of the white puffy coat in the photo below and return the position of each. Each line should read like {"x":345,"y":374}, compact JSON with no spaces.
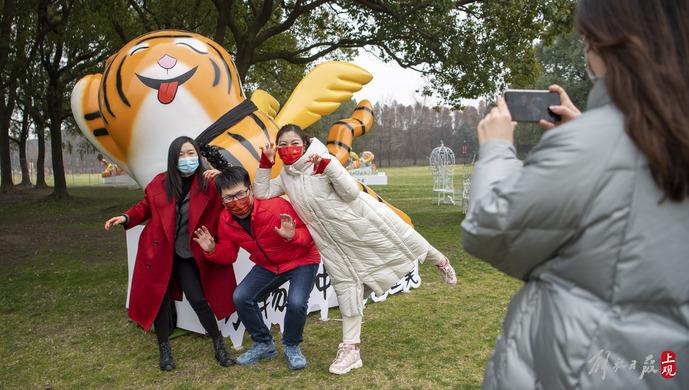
{"x":362,"y":241}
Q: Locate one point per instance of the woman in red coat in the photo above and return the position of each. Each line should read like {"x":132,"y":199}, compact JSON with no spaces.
{"x":175,"y":204}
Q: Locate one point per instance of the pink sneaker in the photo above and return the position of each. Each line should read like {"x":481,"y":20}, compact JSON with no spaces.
{"x":447,"y":273}
{"x":348,"y":358}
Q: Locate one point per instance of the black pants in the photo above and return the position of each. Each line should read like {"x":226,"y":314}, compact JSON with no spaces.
{"x":187,"y":274}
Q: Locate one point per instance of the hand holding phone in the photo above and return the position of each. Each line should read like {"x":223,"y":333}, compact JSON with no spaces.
{"x":532,"y":105}
{"x":567,"y":110}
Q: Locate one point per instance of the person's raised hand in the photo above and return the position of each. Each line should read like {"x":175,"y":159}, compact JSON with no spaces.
{"x":120,"y":220}
{"x":269,"y":150}
{"x":497,"y":124}
{"x":566,"y":109}
{"x":204,"y":239}
{"x":210,"y":173}
{"x":315,"y":159}
{"x":287,"y":227}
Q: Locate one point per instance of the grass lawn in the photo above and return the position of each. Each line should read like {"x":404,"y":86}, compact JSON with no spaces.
{"x":65,"y":326}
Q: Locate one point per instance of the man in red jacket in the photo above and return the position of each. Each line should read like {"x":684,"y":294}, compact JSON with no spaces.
{"x":282,"y":249}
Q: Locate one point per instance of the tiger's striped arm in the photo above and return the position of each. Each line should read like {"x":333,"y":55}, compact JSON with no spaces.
{"x":341,"y":136}
{"x":87,"y":115}
{"x":342,"y":133}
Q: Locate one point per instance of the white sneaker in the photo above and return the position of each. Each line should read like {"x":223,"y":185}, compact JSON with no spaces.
{"x":348,"y":358}
{"x":447,"y":273}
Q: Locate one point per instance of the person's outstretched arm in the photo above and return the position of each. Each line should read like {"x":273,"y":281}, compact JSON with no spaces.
{"x":139,"y":213}
{"x":221,"y":251}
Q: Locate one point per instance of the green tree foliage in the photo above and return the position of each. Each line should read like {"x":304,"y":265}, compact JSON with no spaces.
{"x":563,"y":63}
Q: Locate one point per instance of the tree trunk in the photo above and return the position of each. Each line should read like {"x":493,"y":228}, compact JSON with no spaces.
{"x":6,"y":108}
{"x":23,"y":163}
{"x":221,"y":24}
{"x":244,"y":58}
{"x":389,"y":147}
{"x":54,"y":108}
{"x":40,"y":160}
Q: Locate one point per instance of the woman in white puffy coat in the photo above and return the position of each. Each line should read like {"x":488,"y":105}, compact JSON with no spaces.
{"x":362,"y":241}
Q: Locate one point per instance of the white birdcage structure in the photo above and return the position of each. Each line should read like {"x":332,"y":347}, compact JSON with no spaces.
{"x":442,"y":161}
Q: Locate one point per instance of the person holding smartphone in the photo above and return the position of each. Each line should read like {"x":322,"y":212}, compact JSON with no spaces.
{"x":596,"y":219}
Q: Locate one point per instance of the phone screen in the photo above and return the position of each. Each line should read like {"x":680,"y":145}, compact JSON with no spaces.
{"x":531,"y":106}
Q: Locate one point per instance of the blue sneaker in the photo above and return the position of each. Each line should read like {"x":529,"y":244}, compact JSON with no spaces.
{"x":295,"y":359}
{"x":256,"y":352}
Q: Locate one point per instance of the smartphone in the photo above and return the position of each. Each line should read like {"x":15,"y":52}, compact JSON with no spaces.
{"x":532,"y":105}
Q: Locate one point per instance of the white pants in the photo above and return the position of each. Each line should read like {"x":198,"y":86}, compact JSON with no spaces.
{"x":351,"y":329}
{"x":351,"y":325}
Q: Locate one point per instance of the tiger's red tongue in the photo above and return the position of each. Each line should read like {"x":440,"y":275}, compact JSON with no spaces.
{"x":167,"y":91}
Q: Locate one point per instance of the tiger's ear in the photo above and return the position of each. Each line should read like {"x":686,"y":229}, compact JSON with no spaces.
{"x":88,"y":117}
{"x":265,"y":102}
{"x":321,"y":92}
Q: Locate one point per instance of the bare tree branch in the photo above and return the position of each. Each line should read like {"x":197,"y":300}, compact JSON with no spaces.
{"x":262,"y":18}
{"x":296,"y":12}
{"x":294,"y":58}
{"x":119,"y":30}
{"x":232,"y":23}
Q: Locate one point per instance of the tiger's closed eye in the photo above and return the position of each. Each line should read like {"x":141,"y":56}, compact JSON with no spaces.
{"x":137,"y":48}
{"x":192,"y":47}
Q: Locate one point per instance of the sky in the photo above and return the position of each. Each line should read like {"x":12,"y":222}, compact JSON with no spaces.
{"x":392,"y":82}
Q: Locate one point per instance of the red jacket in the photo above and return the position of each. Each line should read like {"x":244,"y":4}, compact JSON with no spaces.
{"x":153,"y":268}
{"x":266,"y":248}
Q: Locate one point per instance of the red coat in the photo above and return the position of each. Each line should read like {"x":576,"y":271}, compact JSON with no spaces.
{"x":267,"y":248}
{"x":153,"y":268}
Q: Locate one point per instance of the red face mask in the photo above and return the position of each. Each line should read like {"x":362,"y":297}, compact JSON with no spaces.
{"x":290,"y":154}
{"x":239,"y":207}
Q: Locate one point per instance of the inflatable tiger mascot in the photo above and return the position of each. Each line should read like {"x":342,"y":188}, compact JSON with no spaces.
{"x":165,"y":84}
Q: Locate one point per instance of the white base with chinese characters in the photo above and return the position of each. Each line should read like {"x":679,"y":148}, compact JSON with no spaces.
{"x":273,"y":308}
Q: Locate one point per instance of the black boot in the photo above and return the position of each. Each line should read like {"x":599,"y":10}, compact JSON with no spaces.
{"x":221,"y":355}
{"x":166,"y":362}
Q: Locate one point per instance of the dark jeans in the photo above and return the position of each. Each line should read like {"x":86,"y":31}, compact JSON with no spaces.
{"x":187,"y":274}
{"x":260,"y":282}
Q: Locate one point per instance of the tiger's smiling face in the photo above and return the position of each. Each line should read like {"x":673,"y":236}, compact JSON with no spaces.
{"x":162,"y":85}
{"x":160,"y":65}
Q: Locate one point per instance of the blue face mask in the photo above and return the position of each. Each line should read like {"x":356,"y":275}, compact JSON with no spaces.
{"x":188,"y":164}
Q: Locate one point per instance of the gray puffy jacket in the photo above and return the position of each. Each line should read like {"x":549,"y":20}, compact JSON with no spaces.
{"x":605,"y":259}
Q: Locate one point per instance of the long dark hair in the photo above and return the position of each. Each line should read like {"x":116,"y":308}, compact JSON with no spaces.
{"x":294,"y":129}
{"x":173,"y":180}
{"x":645,"y":47}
